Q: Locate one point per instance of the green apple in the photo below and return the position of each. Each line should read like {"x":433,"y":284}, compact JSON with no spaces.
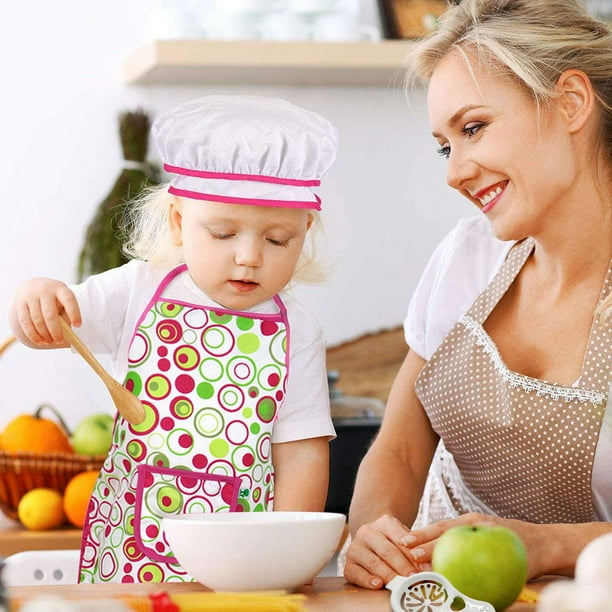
{"x":93,"y":434}
{"x":483,"y":562}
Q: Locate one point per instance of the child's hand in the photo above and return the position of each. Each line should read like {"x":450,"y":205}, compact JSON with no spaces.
{"x":35,"y":310}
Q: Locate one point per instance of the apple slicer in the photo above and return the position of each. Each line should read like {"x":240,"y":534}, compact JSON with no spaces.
{"x":431,"y":592}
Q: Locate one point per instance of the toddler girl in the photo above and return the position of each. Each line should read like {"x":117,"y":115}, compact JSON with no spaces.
{"x":229,"y":368}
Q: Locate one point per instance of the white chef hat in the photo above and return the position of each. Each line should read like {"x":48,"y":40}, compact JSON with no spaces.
{"x":241,"y":149}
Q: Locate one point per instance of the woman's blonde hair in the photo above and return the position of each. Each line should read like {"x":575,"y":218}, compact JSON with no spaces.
{"x":148,"y":236}
{"x":534,"y":42}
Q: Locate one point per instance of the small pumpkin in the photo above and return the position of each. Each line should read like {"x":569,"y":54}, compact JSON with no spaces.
{"x":36,"y":434}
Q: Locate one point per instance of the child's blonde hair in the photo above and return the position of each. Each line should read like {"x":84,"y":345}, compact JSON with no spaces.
{"x":148,"y":236}
{"x":534,"y":42}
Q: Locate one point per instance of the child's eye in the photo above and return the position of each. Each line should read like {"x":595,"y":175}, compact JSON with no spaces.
{"x":277,"y":242}
{"x":220,"y":235}
{"x":444,"y":151}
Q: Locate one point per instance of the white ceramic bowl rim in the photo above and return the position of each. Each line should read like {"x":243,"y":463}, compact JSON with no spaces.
{"x":246,"y":518}
{"x":287,"y":548}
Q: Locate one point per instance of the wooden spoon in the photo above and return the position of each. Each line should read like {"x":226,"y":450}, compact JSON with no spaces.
{"x":6,"y":343}
{"x":127,"y":403}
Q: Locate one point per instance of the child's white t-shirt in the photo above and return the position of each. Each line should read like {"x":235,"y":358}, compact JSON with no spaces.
{"x":461,"y":267}
{"x":112,"y":302}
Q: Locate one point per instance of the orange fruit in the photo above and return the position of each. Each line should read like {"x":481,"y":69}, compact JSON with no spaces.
{"x":36,"y":434}
{"x":41,"y":508}
{"x":77,"y":494}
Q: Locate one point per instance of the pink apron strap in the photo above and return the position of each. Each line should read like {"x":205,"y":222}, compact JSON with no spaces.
{"x":283,"y":313}
{"x":170,"y":276}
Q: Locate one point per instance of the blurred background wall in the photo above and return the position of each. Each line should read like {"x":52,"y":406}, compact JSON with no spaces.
{"x":386,"y":204}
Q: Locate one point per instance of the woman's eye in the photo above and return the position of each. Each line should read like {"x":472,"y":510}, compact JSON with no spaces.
{"x":444,"y":151}
{"x":472,"y":128}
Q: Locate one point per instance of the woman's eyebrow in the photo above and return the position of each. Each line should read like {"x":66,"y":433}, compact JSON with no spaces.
{"x":458,"y":114}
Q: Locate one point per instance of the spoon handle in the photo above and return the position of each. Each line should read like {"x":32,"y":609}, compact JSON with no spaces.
{"x":87,"y":355}
{"x":128,"y":405}
{"x":6,"y":343}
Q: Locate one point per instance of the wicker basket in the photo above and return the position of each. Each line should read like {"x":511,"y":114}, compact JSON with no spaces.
{"x":22,"y":471}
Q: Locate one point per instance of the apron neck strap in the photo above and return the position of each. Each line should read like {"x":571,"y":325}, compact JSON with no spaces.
{"x":598,"y":360}
{"x":512,"y":265}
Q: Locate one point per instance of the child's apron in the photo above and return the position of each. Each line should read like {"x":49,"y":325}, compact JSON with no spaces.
{"x":211,"y":381}
{"x":514,"y":446}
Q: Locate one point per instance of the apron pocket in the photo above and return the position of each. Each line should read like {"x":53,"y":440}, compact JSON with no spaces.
{"x":166,"y":491}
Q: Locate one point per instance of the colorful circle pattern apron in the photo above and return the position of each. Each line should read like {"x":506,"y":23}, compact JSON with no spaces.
{"x":514,"y":446}
{"x":212,"y":382}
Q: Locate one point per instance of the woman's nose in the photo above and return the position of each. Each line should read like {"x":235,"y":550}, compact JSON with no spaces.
{"x":248,"y":253}
{"x":459,"y":170}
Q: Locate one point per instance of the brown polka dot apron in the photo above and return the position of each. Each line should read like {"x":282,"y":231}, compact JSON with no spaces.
{"x":514,"y":446}
{"x":211,"y":381}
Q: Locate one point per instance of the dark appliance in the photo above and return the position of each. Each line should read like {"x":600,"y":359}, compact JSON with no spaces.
{"x":356,"y":420}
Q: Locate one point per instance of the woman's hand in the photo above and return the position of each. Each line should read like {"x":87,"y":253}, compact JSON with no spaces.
{"x":35,"y":310}
{"x":385,"y":548}
{"x":551,"y":548}
{"x":376,"y":554}
{"x":389,"y":484}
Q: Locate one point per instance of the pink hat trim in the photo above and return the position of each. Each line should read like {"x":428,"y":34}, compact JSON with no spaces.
{"x":230,"y":176}
{"x":213,"y":197}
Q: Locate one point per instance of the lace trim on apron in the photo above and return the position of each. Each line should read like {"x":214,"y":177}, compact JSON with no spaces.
{"x":445,"y":493}
{"x":525,"y":382}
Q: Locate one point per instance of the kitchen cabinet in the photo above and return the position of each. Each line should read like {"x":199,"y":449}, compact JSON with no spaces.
{"x":267,"y":62}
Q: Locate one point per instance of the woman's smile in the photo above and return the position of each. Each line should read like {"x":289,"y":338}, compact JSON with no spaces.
{"x":490,"y":196}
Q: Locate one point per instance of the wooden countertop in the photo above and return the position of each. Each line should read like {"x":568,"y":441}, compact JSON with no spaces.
{"x":329,"y":594}
{"x":14,"y":538}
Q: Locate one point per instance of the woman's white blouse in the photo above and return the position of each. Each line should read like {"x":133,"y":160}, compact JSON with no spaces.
{"x":461,"y":267}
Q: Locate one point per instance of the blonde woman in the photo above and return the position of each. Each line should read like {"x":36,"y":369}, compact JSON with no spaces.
{"x":500,"y":412}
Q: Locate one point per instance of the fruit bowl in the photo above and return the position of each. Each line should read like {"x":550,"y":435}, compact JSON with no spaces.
{"x":251,"y":551}
{"x":23,"y":471}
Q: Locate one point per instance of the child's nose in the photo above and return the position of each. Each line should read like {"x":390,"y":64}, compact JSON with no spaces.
{"x":248,"y":253}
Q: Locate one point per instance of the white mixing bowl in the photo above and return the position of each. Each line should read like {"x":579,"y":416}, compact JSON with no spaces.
{"x":250,"y":551}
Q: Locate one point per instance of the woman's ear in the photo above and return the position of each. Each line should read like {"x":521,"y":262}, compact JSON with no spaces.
{"x":175,"y":221}
{"x":576,"y":98}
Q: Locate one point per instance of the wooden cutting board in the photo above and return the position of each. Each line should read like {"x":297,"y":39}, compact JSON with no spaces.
{"x":368,"y":364}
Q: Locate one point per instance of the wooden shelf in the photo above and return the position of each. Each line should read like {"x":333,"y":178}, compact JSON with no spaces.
{"x":262,"y":62}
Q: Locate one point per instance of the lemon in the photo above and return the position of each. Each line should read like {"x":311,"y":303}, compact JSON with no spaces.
{"x":41,"y":508}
